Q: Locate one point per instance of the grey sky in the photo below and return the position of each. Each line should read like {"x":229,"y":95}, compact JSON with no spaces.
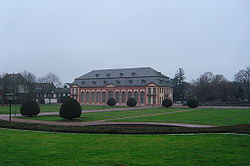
{"x":72,"y":37}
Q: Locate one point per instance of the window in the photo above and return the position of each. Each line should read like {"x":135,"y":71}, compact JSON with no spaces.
{"x":133,"y":73}
{"x":82,"y":97}
{"x":97,"y":75}
{"x":104,"y":82}
{"x":117,"y":97}
{"x":118,"y":82}
{"x":103,"y":97}
{"x":149,"y":99}
{"x":123,"y":97}
{"x":149,"y":90}
{"x":98,"y":97}
{"x":121,"y":74}
{"x":93,"y":82}
{"x":136,"y":96}
{"x":83,"y":82}
{"x":93,"y":97}
{"x":154,"y":99}
{"x":129,"y":95}
{"x":143,"y":81}
{"x":110,"y":94}
{"x":142,"y":97}
{"x":87,"y":97}
{"x":154,"y":90}
{"x":108,"y":75}
{"x":130,"y":81}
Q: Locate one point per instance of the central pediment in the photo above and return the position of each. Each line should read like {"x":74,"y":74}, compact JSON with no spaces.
{"x":110,"y":86}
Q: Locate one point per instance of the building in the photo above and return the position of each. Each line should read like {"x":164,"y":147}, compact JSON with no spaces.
{"x":47,"y":93}
{"x":146,"y":85}
{"x":13,"y":83}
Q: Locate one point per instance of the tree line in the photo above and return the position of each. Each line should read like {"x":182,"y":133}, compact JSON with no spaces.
{"x":211,"y":87}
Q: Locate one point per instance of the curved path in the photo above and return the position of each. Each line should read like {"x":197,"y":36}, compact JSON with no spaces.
{"x":104,"y":122}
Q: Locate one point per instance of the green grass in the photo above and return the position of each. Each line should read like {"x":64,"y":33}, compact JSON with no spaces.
{"x":212,"y":116}
{"x":4,"y":109}
{"x":93,"y":116}
{"x":22,"y":148}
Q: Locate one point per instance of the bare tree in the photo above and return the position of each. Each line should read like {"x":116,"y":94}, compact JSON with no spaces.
{"x":30,"y":79}
{"x":28,"y":76}
{"x":243,"y":76}
{"x":50,"y":78}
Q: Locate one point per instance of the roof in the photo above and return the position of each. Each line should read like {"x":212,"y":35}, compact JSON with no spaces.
{"x":14,"y":77}
{"x":124,"y":72}
{"x":62,"y":91}
{"x":123,"y":77}
{"x":44,"y":87}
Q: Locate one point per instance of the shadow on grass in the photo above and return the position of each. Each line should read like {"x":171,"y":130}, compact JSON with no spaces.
{"x":125,"y":129}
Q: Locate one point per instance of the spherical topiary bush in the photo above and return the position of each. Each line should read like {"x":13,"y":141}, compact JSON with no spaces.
{"x":192,"y":103}
{"x":70,"y":109}
{"x":111,"y":102}
{"x":167,"y":103}
{"x":29,"y":108}
{"x":131,"y":102}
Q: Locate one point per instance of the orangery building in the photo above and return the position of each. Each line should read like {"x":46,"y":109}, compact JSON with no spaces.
{"x":146,"y":85}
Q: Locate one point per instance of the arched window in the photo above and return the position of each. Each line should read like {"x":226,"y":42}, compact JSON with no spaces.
{"x":129,"y":95}
{"x":110,"y":94}
{"x":117,"y":97}
{"x":136,"y":96}
{"x":123,"y":97}
{"x":98,"y":97}
{"x":142,"y":97}
{"x":103,"y":97}
{"x":87,"y":97}
{"x":93,"y":97}
{"x":82,"y":97}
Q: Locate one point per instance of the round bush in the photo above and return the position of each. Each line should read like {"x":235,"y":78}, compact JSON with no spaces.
{"x":29,"y":108}
{"x":70,"y":109}
{"x":131,"y":102}
{"x":167,"y":103}
{"x":111,"y":102}
{"x":192,"y":103}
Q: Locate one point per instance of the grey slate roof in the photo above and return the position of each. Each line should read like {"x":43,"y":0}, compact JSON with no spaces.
{"x":62,"y":91}
{"x":123,"y":77}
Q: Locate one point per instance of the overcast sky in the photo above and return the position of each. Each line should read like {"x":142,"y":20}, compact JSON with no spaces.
{"x":72,"y":37}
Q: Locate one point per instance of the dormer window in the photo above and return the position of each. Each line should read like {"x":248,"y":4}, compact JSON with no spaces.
{"x":97,"y":75}
{"x":161,"y":80}
{"x":121,"y":74}
{"x":118,"y":82}
{"x":93,"y":82}
{"x":143,"y":81}
{"x":83,"y":82}
{"x":130,"y":81}
{"x":108,"y":75}
{"x":133,"y":73}
{"x":105,"y":82}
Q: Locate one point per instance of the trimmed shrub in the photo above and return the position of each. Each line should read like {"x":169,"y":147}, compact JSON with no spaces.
{"x":70,"y":109}
{"x":29,"y":108}
{"x":111,"y":102}
{"x":167,"y":103}
{"x":131,"y":102}
{"x":192,"y":103}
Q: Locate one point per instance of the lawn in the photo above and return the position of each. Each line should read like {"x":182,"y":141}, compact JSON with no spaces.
{"x":4,"y":109}
{"x":212,"y":116}
{"x":22,"y":148}
{"x":93,"y":116}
